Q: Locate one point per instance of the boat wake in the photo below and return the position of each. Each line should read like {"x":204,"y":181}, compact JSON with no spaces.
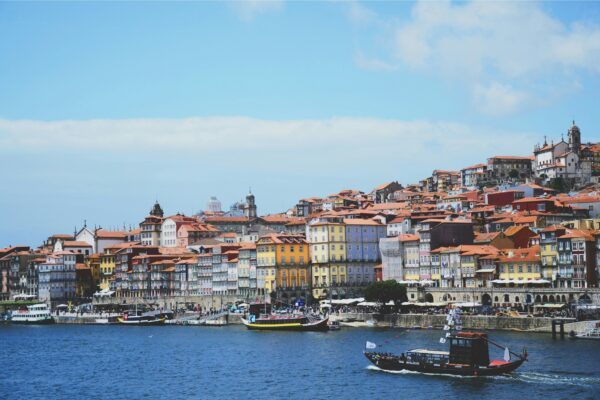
{"x":557,"y":379}
{"x":526,"y":377}
{"x":407,"y":372}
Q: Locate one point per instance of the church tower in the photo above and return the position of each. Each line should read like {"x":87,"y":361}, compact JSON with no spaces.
{"x":157,"y":211}
{"x":574,"y":138}
{"x":250,"y":206}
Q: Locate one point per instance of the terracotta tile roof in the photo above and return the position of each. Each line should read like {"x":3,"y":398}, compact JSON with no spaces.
{"x":75,"y":243}
{"x":104,"y":234}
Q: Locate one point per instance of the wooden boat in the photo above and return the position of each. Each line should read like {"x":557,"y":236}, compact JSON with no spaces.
{"x":286,"y":323}
{"x":140,"y":321}
{"x":468,"y":356}
{"x":148,"y":318}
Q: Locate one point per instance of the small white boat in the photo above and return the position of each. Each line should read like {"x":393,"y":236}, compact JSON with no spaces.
{"x":592,"y":334}
{"x":371,"y":322}
{"x":34,"y":314}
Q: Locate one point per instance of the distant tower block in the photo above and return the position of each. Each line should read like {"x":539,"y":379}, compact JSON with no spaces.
{"x":213,"y":205}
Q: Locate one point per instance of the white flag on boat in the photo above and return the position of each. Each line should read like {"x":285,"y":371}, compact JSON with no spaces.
{"x":370,"y":345}
{"x":442,"y":340}
{"x":447,"y":334}
{"x":506,"y":354}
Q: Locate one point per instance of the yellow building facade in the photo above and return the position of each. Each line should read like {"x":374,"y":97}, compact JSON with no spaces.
{"x":327,"y":242}
{"x":107,"y":270}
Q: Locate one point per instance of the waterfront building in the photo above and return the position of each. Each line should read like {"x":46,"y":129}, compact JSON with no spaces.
{"x":84,"y":282}
{"x":57,"y":277}
{"x":519,"y":266}
{"x":576,"y":259}
{"x":186,"y":277}
{"x":22,"y":277}
{"x":362,"y":250}
{"x":247,"y":271}
{"x":283,"y":263}
{"x":205,"y":274}
{"x":93,"y":262}
{"x":392,"y":258}
{"x":328,"y":256}
{"x":124,"y":281}
{"x":232,"y":272}
{"x":549,"y":251}
{"x":5,"y":269}
{"x":410,"y":256}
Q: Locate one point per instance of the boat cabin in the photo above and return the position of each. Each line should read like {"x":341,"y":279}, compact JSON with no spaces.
{"x":469,"y":348}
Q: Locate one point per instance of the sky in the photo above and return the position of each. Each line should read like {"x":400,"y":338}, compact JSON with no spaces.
{"x":106,"y":107}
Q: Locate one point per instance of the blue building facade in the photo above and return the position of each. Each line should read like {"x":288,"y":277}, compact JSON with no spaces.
{"x":362,"y":250}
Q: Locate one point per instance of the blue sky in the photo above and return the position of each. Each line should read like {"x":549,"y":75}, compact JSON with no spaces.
{"x":107,"y":106}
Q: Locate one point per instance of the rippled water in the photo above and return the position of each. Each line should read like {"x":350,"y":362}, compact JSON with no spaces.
{"x":116,"y":362}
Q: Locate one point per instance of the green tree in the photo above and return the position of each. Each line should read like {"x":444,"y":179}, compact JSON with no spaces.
{"x":559,"y":184}
{"x":383,"y":292}
{"x":513,"y":173}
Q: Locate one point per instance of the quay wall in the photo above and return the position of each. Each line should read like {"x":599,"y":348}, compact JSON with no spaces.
{"x":531,"y":324}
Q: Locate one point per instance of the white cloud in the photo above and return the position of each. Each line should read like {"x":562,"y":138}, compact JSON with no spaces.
{"x":248,"y":10}
{"x":498,"y":99}
{"x":344,"y":141}
{"x":359,"y":14}
{"x":486,"y":45}
{"x":371,"y":63}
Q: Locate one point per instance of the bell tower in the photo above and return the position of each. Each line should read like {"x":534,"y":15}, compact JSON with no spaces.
{"x":250,"y":206}
{"x":574,"y":138}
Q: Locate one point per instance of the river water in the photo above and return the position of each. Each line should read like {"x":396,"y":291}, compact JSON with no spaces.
{"x":117,"y":362}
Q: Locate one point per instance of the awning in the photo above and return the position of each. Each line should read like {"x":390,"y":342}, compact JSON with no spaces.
{"x":550,"y":305}
{"x":485,"y":270}
{"x":467,"y":304}
{"x":367,"y":304}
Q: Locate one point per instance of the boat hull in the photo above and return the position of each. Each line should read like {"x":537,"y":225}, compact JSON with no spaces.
{"x":393,"y":363}
{"x":46,"y":321}
{"x":152,"y":322}
{"x":292,"y":326}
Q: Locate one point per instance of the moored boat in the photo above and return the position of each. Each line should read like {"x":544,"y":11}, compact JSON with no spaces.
{"x":34,"y":314}
{"x":149,"y":318}
{"x":289,"y":322}
{"x":590,"y":334}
